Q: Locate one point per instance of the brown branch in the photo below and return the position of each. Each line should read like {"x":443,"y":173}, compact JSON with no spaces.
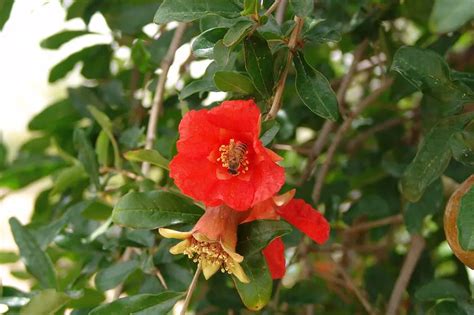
{"x":280,"y":13}
{"x":363,"y":136}
{"x":329,"y":125}
{"x":272,"y":8}
{"x":160,"y":90}
{"x":371,"y":98}
{"x":191,"y":288}
{"x":395,"y":219}
{"x":358,"y":293}
{"x":276,"y":104}
{"x":416,"y":248}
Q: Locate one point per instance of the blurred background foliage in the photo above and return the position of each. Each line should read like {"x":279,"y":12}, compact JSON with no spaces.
{"x":388,"y":85}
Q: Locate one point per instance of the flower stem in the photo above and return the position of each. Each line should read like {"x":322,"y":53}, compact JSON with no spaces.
{"x":192,"y":286}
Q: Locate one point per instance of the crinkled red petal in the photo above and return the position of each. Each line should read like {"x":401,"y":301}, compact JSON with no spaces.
{"x":306,"y":219}
{"x":237,"y":194}
{"x":197,"y":136}
{"x":267,"y":178}
{"x":237,"y":115}
{"x":196,"y":178}
{"x":275,"y":256}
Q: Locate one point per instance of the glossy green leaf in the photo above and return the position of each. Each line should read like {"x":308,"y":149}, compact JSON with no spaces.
{"x":254,"y":236}
{"x":36,"y":261}
{"x":446,"y":308}
{"x":432,"y":157}
{"x":223,"y":56}
{"x":197,"y":86}
{"x":462,"y":147}
{"x":320,"y":32}
{"x":250,"y":7}
{"x":237,"y":32}
{"x":314,"y":90}
{"x":229,"y":81}
{"x":270,"y":129}
{"x":466,"y":221}
{"x":107,"y":126}
{"x":441,"y":289}
{"x":151,"y":210}
{"x":46,"y":302}
{"x":302,"y":8}
{"x":89,"y":298}
{"x":430,"y":203}
{"x":428,"y":72}
{"x":5,"y":10}
{"x":102,"y":145}
{"x":448,"y":16}
{"x":190,"y":10}
{"x":87,"y":156}
{"x":55,"y":41}
{"x":150,"y":156}
{"x":45,"y":234}
{"x":140,"y":304}
{"x":203,"y":45}
{"x":114,"y":275}
{"x":259,"y":64}
{"x":256,"y":294}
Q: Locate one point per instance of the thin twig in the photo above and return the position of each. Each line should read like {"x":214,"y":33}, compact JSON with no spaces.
{"x":329,"y":125}
{"x":280,"y":13}
{"x":272,"y":8}
{"x":192,"y":286}
{"x":416,"y":248}
{"x":360,"y":296}
{"x":361,"y":137}
{"x":395,"y":219}
{"x":160,"y":90}
{"x":371,"y":98}
{"x":276,"y":104}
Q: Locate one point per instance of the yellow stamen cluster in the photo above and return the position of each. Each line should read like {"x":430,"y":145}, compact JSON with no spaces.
{"x":234,"y":157}
{"x":209,"y":253}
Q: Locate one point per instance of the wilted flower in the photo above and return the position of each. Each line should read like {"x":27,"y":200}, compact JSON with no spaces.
{"x":212,"y":241}
{"x":221,"y":159}
{"x":296,"y":212}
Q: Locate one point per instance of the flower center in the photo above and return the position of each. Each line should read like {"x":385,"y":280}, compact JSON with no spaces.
{"x":234,"y":157}
{"x":208,"y":253}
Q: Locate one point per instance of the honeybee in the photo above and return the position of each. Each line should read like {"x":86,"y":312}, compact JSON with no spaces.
{"x":234,"y":156}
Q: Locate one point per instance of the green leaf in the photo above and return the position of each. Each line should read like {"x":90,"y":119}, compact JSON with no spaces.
{"x":102,"y":148}
{"x":270,"y":129}
{"x":259,"y":64}
{"x":237,"y":32}
{"x":88,"y":299}
{"x":154,"y":209}
{"x":5,"y":10}
{"x":87,"y":156}
{"x":256,"y":294}
{"x":141,"y":56}
{"x":432,"y":157}
{"x":57,"y":116}
{"x":203,"y":45}
{"x":107,"y":126}
{"x":67,"y":178}
{"x":45,"y":234}
{"x":462,"y":147}
{"x":446,"y":308}
{"x":197,"y":86}
{"x":441,"y":289}
{"x":447,"y":17}
{"x":57,"y":40}
{"x":314,"y":90}
{"x":223,"y":56}
{"x":24,"y":172}
{"x":190,"y":10}
{"x":430,"y":203}
{"x":466,"y":221}
{"x":8,"y":258}
{"x":141,"y":304}
{"x":250,"y":7}
{"x":112,"y":276}
{"x":229,"y":81}
{"x":428,"y":72}
{"x":256,"y":235}
{"x":46,"y":302}
{"x":302,"y":8}
{"x":322,"y":31}
{"x":36,"y":261}
{"x":96,"y":62}
{"x":150,"y":156}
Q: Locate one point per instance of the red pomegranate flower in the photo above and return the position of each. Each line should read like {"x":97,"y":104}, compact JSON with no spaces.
{"x":221,"y":159}
{"x":296,"y":212}
{"x":212,"y":242}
